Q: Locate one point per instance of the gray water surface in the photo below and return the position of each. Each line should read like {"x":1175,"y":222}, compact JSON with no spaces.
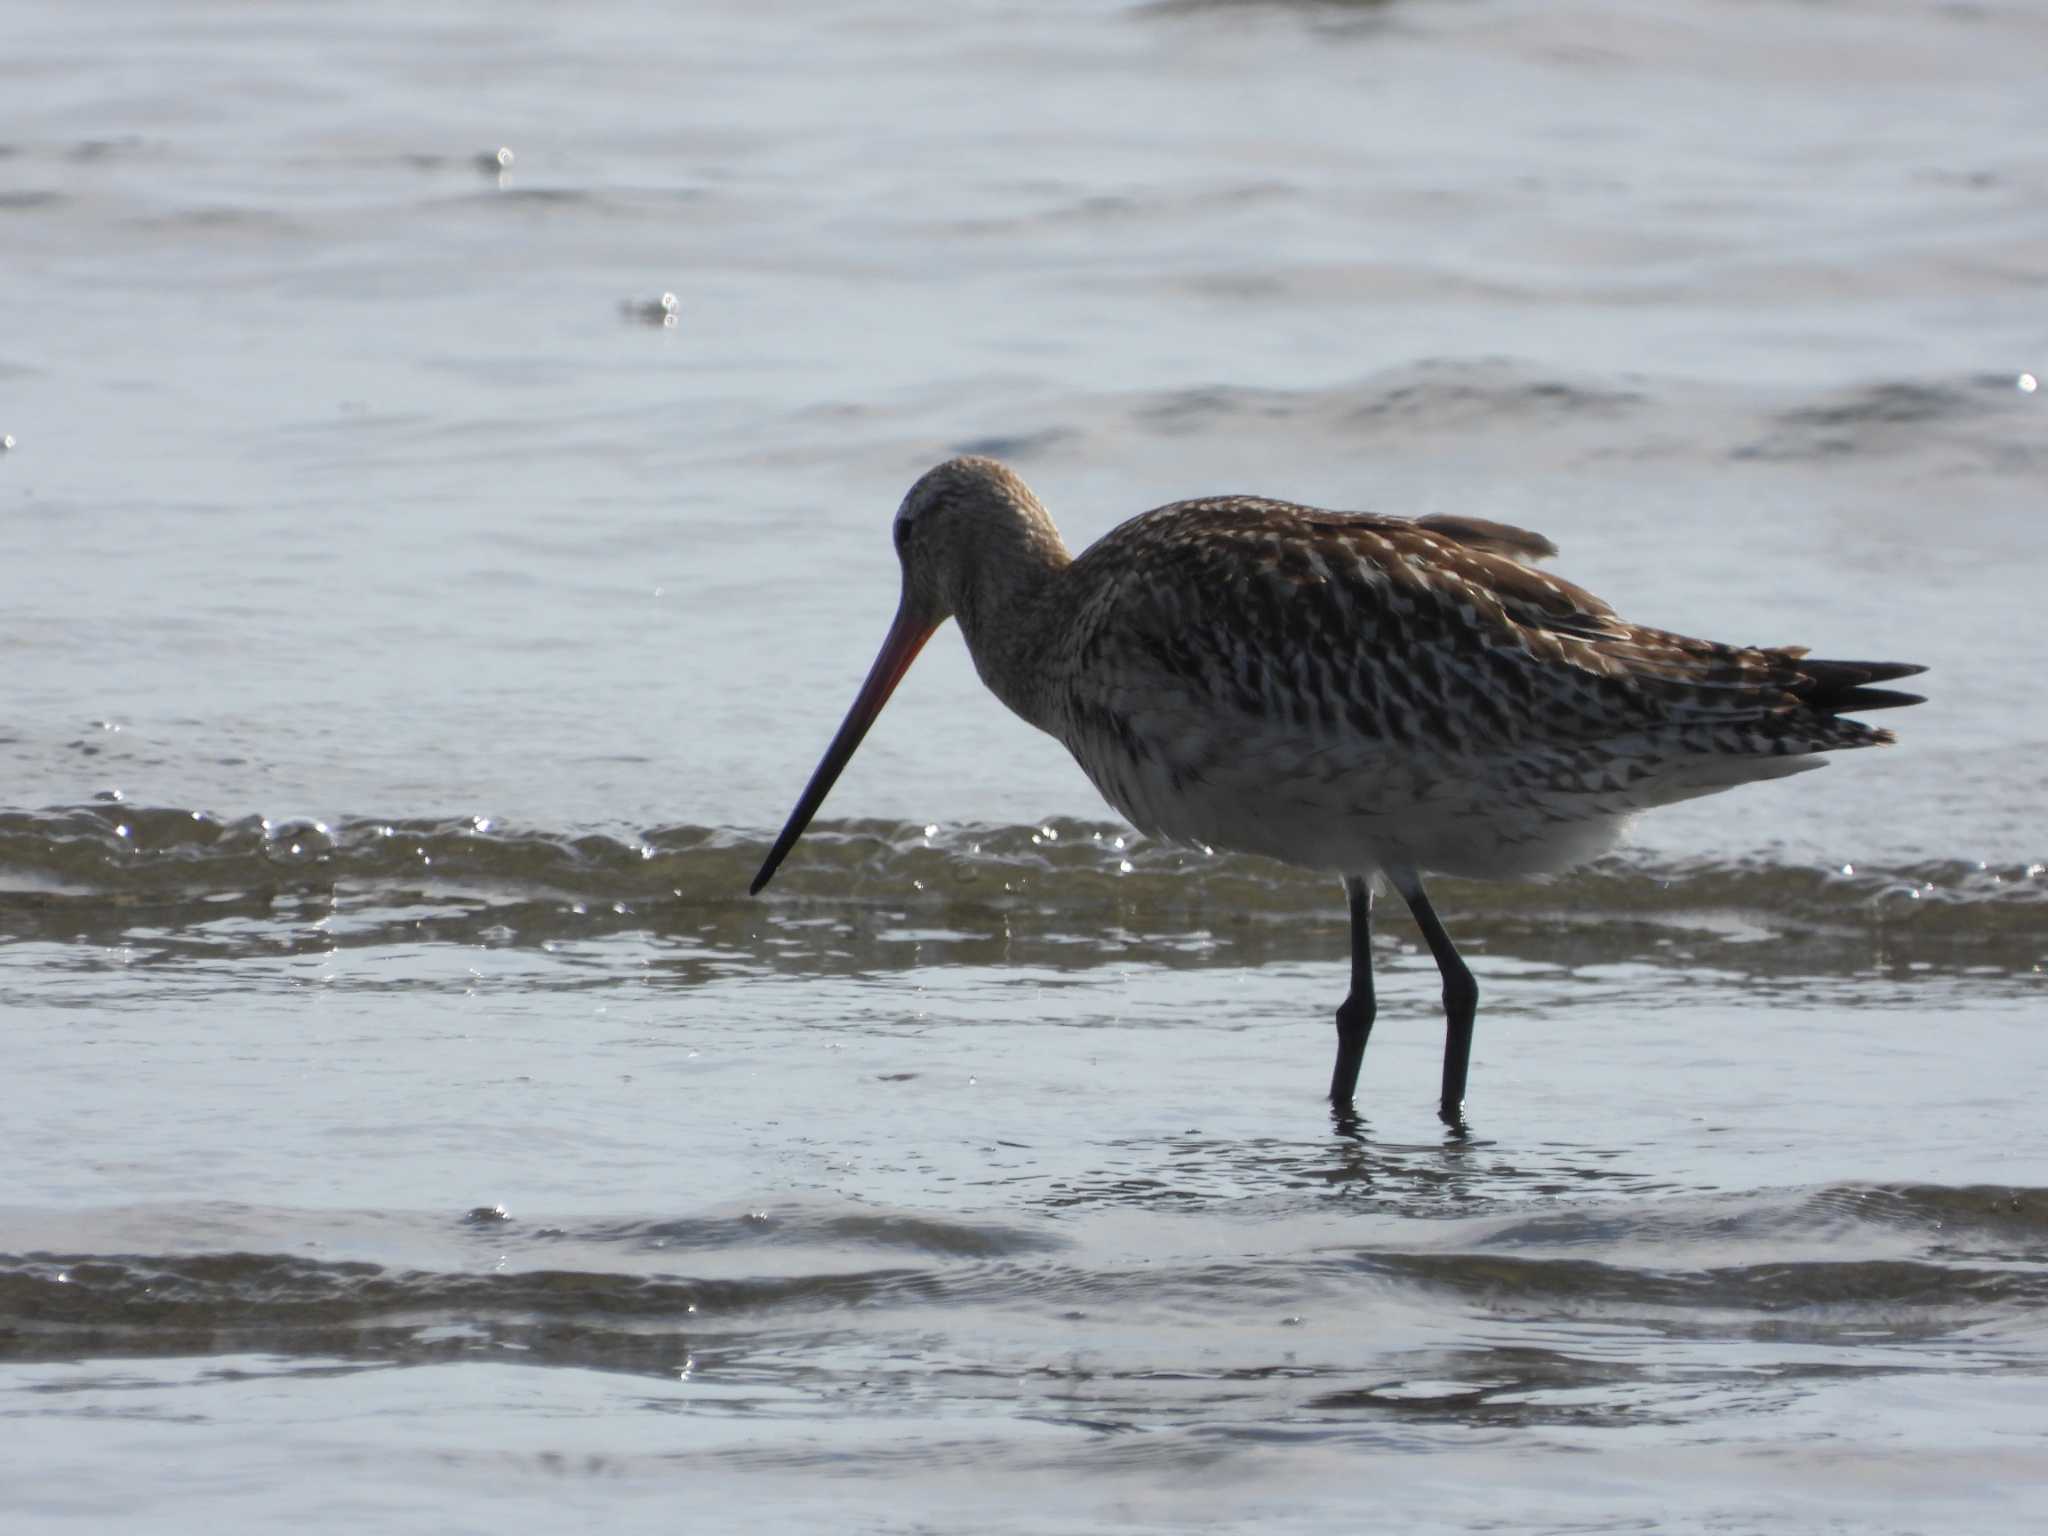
{"x":410,"y":646}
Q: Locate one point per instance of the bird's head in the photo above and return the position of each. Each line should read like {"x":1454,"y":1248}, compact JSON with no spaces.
{"x":966,"y":528}
{"x":962,"y":521}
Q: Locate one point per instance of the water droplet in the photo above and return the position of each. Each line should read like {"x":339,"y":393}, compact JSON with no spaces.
{"x":2027,"y":383}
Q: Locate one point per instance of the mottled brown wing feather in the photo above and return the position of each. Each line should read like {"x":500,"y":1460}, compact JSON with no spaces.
{"x":1405,"y":631}
{"x":1493,"y":538}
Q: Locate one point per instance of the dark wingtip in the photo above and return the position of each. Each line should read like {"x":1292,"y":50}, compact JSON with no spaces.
{"x":1861,"y":671}
{"x":1837,"y":687}
{"x":1861,"y":699}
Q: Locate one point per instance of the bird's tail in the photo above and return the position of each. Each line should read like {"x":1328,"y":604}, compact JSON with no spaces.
{"x":1823,"y":692}
{"x":1774,"y":727}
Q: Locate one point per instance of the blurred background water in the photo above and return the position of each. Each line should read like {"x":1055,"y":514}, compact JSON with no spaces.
{"x":413,"y":630}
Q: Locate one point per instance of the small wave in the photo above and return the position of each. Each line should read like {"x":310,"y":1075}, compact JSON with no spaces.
{"x":1884,"y":417}
{"x":1438,"y":395}
{"x":787,"y":1226}
{"x":1981,"y":1220}
{"x":1950,"y":1217}
{"x":584,"y":1313}
{"x":1356,"y":13}
{"x":1860,"y":1287}
{"x":55,"y":1306}
{"x":96,"y":872}
{"x":1018,"y":445}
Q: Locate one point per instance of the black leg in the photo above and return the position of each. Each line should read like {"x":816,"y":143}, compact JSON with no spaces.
{"x":1354,"y":1018}
{"x":1461,"y":995}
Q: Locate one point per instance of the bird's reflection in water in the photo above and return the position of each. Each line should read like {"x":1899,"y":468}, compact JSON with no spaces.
{"x":1457,"y":1173}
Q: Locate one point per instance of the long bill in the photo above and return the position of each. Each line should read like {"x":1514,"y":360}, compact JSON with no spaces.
{"x":905,"y":639}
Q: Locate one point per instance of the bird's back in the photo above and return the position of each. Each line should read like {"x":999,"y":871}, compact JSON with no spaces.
{"x":1346,"y":690}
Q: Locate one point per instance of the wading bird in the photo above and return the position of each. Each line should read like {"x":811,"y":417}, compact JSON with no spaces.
{"x":1367,"y":695}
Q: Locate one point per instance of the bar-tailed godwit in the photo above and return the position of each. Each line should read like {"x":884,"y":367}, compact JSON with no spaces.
{"x":1367,"y":695}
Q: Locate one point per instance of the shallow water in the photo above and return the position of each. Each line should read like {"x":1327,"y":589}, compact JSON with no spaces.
{"x":410,"y":647}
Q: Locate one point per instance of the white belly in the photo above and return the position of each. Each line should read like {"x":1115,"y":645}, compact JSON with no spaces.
{"x":1349,"y":812}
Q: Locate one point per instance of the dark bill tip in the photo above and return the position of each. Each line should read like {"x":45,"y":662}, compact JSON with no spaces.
{"x":905,"y":639}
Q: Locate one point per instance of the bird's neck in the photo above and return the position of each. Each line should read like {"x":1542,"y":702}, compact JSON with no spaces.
{"x":1010,"y":614}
